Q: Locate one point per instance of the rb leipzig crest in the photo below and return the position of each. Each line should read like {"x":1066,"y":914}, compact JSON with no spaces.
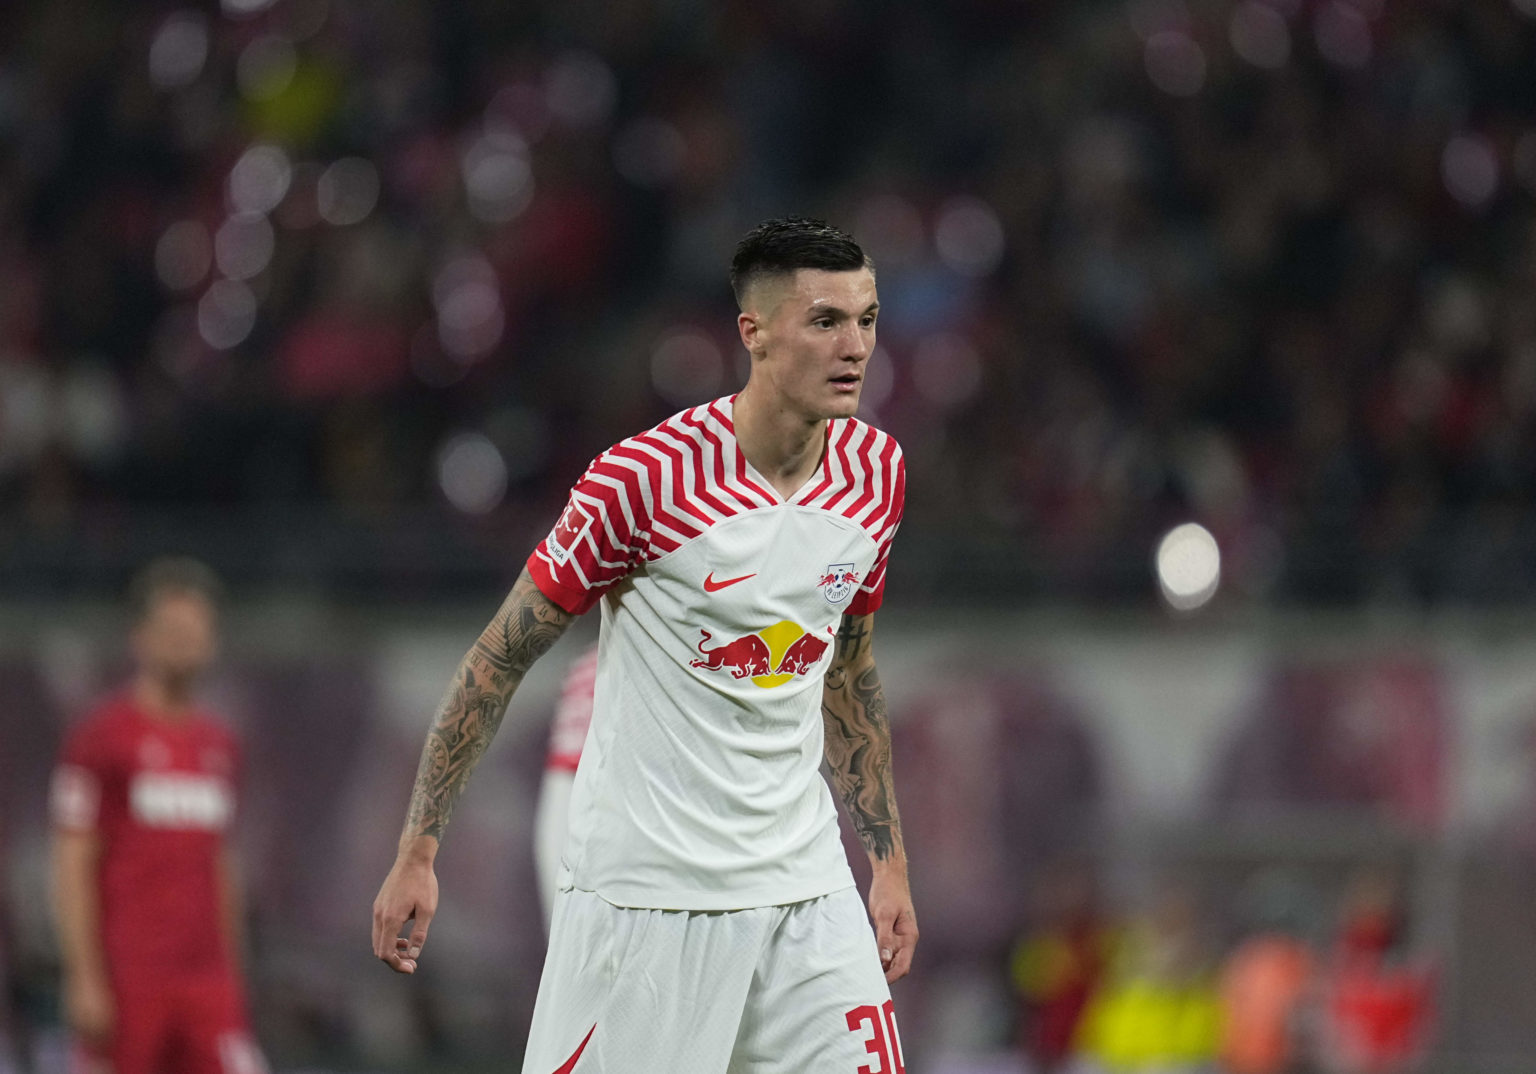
{"x":837,"y":584}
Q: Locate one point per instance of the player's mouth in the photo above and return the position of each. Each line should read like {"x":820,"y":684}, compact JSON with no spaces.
{"x":847,"y":382}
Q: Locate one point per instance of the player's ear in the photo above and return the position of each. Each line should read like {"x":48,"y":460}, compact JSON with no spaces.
{"x":749,"y":324}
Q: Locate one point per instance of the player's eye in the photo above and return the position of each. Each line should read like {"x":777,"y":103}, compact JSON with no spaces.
{"x":868,"y":321}
{"x":823,"y":322}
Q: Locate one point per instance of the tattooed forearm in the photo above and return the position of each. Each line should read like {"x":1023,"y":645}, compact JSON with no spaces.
{"x":527,"y":624}
{"x":858,"y":742}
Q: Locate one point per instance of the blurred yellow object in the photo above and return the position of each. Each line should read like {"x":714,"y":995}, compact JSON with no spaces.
{"x":1056,"y":973}
{"x":1045,"y":964}
{"x":299,"y":113}
{"x":1142,"y":1023}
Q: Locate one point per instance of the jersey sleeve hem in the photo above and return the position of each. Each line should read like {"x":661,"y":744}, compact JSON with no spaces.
{"x":575,"y":601}
{"x":865,"y":602}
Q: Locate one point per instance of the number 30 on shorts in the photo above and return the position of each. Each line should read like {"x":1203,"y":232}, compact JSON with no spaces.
{"x":878,"y":1026}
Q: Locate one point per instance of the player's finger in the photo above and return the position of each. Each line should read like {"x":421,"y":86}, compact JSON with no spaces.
{"x":904,"y":933}
{"x":419,"y":934}
{"x":399,"y":959}
{"x":885,"y":939}
{"x":381,"y":933}
{"x":386,"y":926}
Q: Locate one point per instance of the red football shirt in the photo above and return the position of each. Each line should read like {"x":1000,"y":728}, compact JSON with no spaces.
{"x":573,"y":716}
{"x":161,"y":794}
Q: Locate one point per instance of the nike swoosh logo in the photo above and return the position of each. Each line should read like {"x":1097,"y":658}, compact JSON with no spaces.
{"x":570,"y":1064}
{"x":712,"y":586}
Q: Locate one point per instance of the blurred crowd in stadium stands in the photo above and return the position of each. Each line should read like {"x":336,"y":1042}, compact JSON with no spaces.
{"x":1158,"y":992}
{"x":1268,"y":264}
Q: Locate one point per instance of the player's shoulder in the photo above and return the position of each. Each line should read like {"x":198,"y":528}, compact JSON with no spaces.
{"x":213,"y":725}
{"x":667,"y":460}
{"x":867,"y":440}
{"x":110,"y":714}
{"x":693,"y":429}
{"x":103,"y":730}
{"x":869,"y":456}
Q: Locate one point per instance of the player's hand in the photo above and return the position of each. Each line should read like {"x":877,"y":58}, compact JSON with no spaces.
{"x":90,"y":1008}
{"x":409,"y":894}
{"x":890,"y":908}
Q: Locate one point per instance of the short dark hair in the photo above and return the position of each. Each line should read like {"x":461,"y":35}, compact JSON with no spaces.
{"x":171,"y":575}
{"x":781,"y":246}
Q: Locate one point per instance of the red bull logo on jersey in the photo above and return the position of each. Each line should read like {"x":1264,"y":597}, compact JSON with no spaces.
{"x":838,"y":583}
{"x":770,"y":658}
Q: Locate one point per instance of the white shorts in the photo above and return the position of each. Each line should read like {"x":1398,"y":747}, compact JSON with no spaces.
{"x":792,"y":989}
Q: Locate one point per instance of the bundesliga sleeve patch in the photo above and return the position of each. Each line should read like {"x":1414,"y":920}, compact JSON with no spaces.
{"x":572,"y":527}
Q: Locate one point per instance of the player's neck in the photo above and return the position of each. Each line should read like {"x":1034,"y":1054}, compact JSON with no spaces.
{"x":781,"y":444}
{"x":161,"y":698}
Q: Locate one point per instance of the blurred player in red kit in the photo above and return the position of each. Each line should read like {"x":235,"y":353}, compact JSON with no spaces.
{"x":146,"y":903}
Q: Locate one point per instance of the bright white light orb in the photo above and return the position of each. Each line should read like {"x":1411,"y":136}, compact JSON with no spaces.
{"x":498,"y":178}
{"x":1469,"y":166}
{"x":266,"y":67}
{"x":1188,"y":567}
{"x":1259,"y":35}
{"x":259,"y":180}
{"x":687,"y":367}
{"x":244,"y":9}
{"x":226,"y":314}
{"x":244,"y":245}
{"x":969,"y":236}
{"x":1175,"y":63}
{"x":1343,"y":35}
{"x":472,"y":473}
{"x":179,"y":50}
{"x":347,"y":191}
{"x":580,"y":89}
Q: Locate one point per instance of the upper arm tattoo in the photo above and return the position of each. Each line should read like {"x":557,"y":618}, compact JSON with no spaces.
{"x":523,"y":630}
{"x":858,"y":740}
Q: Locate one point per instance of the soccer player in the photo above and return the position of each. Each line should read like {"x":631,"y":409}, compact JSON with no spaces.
{"x":707,"y":919}
{"x":146,"y":903}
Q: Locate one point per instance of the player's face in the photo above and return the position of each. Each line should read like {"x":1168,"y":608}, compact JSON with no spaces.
{"x":178,"y":637}
{"x":811,"y":336}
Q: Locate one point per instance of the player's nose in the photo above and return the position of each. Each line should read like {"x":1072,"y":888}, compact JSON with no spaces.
{"x":856,"y":343}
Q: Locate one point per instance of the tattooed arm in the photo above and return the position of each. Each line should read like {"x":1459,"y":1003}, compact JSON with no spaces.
{"x":467,"y":718}
{"x":858,"y":749}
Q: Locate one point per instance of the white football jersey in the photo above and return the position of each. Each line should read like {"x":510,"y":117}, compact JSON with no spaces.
{"x":699,"y":788}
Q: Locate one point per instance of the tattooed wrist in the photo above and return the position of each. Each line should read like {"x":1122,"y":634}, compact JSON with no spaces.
{"x":417,"y":849}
